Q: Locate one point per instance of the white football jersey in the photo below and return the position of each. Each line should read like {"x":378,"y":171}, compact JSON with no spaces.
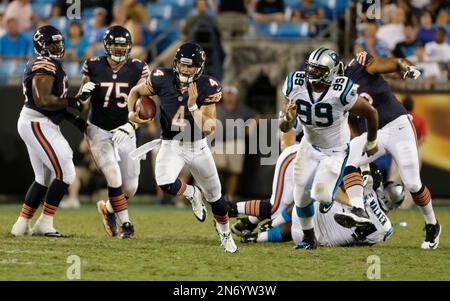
{"x":325,"y":119}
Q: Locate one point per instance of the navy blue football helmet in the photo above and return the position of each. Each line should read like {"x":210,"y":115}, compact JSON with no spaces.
{"x":117,"y":35}
{"x":49,"y":42}
{"x":190,"y":54}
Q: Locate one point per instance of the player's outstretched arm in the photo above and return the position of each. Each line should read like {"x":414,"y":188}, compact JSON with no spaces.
{"x":393,"y":64}
{"x":42,"y":95}
{"x":86,"y":89}
{"x":364,"y":109}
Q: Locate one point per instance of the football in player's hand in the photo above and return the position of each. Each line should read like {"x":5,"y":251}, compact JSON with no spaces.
{"x":147,"y":107}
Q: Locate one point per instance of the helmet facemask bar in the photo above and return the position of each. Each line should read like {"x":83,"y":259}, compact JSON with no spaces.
{"x":183,"y":79}
{"x":118,"y":54}
{"x":317,"y":74}
{"x":53,"y":48}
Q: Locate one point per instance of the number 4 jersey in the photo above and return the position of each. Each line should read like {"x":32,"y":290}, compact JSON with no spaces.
{"x":109,"y":107}
{"x":324,"y":117}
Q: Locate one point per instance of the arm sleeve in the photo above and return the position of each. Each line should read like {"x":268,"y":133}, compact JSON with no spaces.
{"x":85,"y":68}
{"x":364,"y":58}
{"x":43,"y":67}
{"x":288,"y":85}
{"x":213,"y":92}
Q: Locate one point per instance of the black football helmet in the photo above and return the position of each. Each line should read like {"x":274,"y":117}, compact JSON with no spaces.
{"x":49,"y":42}
{"x":190,"y":54}
{"x":117,"y":35}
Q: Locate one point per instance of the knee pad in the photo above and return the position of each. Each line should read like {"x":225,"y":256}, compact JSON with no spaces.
{"x":130,"y":188}
{"x":69,"y":174}
{"x":172,"y":188}
{"x":112,"y":175}
{"x":212,"y":196}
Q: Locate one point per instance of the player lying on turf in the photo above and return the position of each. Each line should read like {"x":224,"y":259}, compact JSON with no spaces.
{"x":188,"y":113}
{"x":282,"y":187}
{"x":379,"y":199}
{"x":322,"y":99}
{"x":45,"y":90}
{"x":110,"y":134}
{"x":396,"y":136}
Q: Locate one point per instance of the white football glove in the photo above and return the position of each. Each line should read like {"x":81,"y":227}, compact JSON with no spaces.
{"x":121,"y":133}
{"x":412,"y":72}
{"x":86,"y":91}
{"x":368,"y":185}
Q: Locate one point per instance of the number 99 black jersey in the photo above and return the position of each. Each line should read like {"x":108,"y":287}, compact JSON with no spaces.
{"x":109,"y":108}
{"x":45,"y":66}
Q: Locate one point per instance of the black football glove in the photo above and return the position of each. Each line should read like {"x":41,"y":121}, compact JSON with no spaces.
{"x":74,"y":102}
{"x":76,"y":120}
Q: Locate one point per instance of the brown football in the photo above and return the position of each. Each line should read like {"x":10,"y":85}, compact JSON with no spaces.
{"x":147,"y":107}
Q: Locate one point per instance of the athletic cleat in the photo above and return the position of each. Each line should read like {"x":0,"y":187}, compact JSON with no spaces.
{"x":232,"y":209}
{"x":307,"y":245}
{"x":248,"y":236}
{"x":45,"y":228}
{"x":22,"y":227}
{"x":266,"y":226}
{"x":127,"y":230}
{"x":226,"y":240}
{"x":309,"y":241}
{"x":109,"y":219}
{"x":241,"y":225}
{"x":357,"y":217}
{"x":198,"y":207}
{"x":433,"y":232}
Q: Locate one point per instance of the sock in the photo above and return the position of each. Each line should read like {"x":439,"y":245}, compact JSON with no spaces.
{"x":282,"y":218}
{"x":109,"y":207}
{"x":189,"y":191}
{"x":353,"y":184}
{"x":55,"y":193}
{"x":33,"y":199}
{"x":254,"y":220}
{"x":220,"y":211}
{"x":422,"y":198}
{"x":241,"y":207}
{"x":119,"y":203}
{"x":263,"y":237}
{"x":306,"y":216}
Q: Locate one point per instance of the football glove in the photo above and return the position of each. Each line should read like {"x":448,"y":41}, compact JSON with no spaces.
{"x":121,"y":133}
{"x":412,"y":72}
{"x":86,"y":91}
{"x":76,"y":120}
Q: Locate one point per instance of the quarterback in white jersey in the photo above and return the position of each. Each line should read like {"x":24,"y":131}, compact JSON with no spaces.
{"x":322,"y":100}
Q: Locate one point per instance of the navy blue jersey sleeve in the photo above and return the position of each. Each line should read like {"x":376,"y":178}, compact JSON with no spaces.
{"x":143,"y":68}
{"x":209,"y":91}
{"x":157,"y":79}
{"x":89,"y":65}
{"x":364,"y":58}
{"x":44,"y":66}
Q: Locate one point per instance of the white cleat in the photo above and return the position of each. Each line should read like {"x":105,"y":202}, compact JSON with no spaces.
{"x":44,"y":227}
{"x":226,"y":240}
{"x":21,"y":227}
{"x":197,"y":204}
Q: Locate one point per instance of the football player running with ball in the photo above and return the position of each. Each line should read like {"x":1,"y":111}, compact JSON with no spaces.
{"x":45,"y":90}
{"x":188,"y":101}
{"x":396,"y":136}
{"x":322,"y":100}
{"x":111,"y":136}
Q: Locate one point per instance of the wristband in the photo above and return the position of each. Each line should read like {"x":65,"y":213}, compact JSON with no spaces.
{"x":370,"y":144}
{"x":193,"y":108}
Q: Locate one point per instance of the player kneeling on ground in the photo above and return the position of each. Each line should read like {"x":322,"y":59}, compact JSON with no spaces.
{"x":188,"y":114}
{"x":379,"y":199}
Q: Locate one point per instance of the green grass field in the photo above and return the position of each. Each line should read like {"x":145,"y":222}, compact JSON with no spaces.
{"x":171,"y":245}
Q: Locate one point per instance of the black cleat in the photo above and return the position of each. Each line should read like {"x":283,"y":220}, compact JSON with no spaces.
{"x":127,"y":230}
{"x":109,"y":219}
{"x":357,"y":217}
{"x":309,"y":241}
{"x":266,"y":226}
{"x":248,"y":236}
{"x":432,"y":234}
{"x":232,"y":209}
{"x":241,"y":225}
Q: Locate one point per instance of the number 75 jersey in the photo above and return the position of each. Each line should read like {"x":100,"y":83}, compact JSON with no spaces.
{"x":325,"y":118}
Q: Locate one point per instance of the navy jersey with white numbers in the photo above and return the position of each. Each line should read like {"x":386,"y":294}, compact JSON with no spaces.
{"x":44,"y":66}
{"x":375,"y":89}
{"x":175,"y":116}
{"x":109,"y":107}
